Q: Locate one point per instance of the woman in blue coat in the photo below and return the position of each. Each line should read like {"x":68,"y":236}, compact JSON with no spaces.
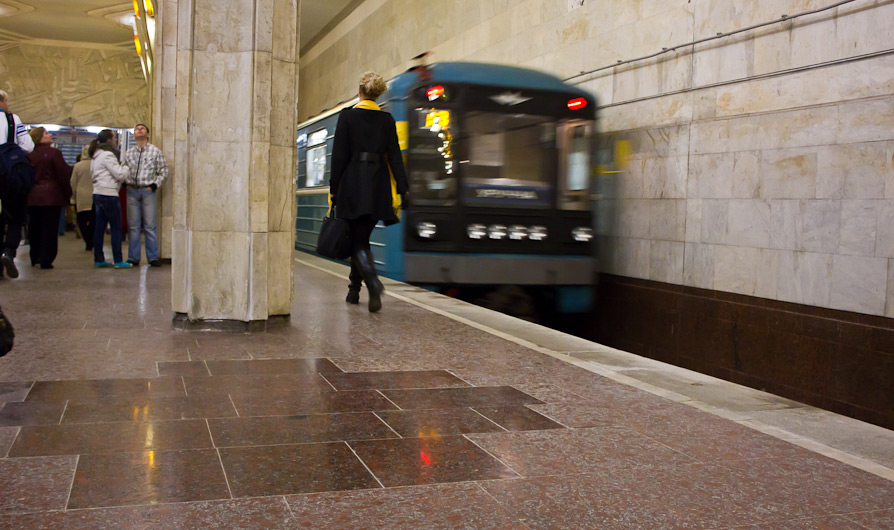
{"x":365,"y":148}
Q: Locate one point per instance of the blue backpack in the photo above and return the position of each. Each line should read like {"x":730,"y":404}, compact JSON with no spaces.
{"x":16,"y":171}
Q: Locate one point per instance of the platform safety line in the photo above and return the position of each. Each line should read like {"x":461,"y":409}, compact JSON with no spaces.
{"x":781,"y":434}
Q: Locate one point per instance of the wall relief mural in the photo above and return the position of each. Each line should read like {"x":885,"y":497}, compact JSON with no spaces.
{"x":74,"y":86}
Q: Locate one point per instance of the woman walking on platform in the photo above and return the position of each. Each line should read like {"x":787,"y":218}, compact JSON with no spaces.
{"x":108,"y":175}
{"x":51,"y":191}
{"x":360,"y":188}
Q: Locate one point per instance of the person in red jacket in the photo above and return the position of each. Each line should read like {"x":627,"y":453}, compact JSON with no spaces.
{"x":51,"y":191}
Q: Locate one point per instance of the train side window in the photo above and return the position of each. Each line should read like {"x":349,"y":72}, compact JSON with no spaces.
{"x":576,"y":148}
{"x":316,"y":158}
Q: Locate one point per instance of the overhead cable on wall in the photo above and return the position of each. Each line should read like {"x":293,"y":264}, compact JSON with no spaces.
{"x":783,"y":18}
{"x":768,"y":75}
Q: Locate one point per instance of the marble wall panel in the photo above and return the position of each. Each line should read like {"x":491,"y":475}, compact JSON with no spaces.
{"x":766,"y":282}
{"x":821,"y":226}
{"x":867,"y":121}
{"x":258,"y":280}
{"x":710,"y":137}
{"x":219,"y":187}
{"x":861,"y":31}
{"x":859,"y":284}
{"x":666,"y":178}
{"x":773,"y":50}
{"x":222,"y":92}
{"x":735,"y":269}
{"x":859,"y":227}
{"x":667,"y":219}
{"x":260,"y":186}
{"x":814,"y":274}
{"x":810,"y":40}
{"x":285,"y":30}
{"x":714,"y":175}
{"x":666,"y":262}
{"x":786,"y":221}
{"x":749,"y":223}
{"x":693,"y":221}
{"x":220,"y":27}
{"x":219,"y":275}
{"x":884,"y":246}
{"x":714,"y":221}
{"x":264,"y":24}
{"x":723,"y":60}
{"x":280,"y":281}
{"x":262,"y":96}
{"x":746,"y":177}
{"x":698,"y":266}
{"x":634,"y":218}
{"x":283,"y":118}
{"x":181,"y":185}
{"x":180,"y":264}
{"x":281,"y":196}
{"x":789,"y":173}
{"x":854,"y":171}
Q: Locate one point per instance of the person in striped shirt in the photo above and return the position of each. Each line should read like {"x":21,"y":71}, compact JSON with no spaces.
{"x":148,"y":171}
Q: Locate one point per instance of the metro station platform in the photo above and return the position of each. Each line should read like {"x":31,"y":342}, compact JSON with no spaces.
{"x":431,"y":414}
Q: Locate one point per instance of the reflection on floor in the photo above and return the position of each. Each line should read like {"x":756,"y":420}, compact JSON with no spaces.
{"x":401,"y":419}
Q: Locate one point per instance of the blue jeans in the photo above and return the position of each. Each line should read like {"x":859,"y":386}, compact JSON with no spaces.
{"x":141,"y":213}
{"x":108,"y":212}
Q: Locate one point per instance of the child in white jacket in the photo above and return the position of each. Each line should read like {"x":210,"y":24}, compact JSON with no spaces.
{"x":108,"y":175}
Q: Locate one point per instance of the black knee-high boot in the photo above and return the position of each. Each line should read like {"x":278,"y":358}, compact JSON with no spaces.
{"x":374,"y":286}
{"x":354,"y":287}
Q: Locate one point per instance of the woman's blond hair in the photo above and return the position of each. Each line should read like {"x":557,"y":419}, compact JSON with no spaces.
{"x":372,"y":85}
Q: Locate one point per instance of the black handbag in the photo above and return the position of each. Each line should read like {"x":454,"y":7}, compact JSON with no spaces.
{"x":6,"y":335}
{"x":335,"y":238}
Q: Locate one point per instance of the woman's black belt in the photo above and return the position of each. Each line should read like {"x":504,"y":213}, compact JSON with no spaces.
{"x":367,"y":157}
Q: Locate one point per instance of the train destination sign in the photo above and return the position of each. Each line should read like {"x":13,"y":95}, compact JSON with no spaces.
{"x":528,"y":196}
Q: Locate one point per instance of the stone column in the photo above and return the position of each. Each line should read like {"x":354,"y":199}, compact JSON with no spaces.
{"x":232,"y":102}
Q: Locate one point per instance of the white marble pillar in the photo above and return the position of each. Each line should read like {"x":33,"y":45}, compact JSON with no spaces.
{"x":228,"y":121}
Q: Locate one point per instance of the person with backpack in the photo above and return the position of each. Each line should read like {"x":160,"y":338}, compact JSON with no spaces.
{"x":51,"y":191}
{"x":108,"y":174}
{"x":16,"y":179}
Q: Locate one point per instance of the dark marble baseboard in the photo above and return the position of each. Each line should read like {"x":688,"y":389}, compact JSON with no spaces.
{"x":183,"y":323}
{"x":836,"y":360}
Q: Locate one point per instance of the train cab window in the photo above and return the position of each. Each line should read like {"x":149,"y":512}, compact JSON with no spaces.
{"x":575,"y":161}
{"x":508,"y":157}
{"x":316,"y":158}
{"x":431,"y":168}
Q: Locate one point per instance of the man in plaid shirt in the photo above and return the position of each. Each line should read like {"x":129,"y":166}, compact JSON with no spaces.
{"x":148,"y":171}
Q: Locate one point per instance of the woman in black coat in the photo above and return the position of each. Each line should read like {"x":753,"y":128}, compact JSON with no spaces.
{"x":365,"y":148}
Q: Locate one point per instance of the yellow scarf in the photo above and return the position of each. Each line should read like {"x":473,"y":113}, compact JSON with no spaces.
{"x":368,"y":104}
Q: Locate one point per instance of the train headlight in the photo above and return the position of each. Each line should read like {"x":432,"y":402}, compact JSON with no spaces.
{"x":476,"y":231}
{"x":582,"y":234}
{"x":496,"y":231}
{"x":426,"y":230}
{"x":537,"y":233}
{"x":518,"y":232}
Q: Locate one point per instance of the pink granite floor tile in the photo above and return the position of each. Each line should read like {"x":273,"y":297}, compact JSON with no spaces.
{"x":267,"y":513}
{"x":434,"y":507}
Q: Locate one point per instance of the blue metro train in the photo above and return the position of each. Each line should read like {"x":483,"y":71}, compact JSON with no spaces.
{"x":500,"y":163}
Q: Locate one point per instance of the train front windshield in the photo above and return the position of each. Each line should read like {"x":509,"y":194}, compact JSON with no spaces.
{"x":484,"y":158}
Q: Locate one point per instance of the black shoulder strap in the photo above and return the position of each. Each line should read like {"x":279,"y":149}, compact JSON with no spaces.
{"x":11,"y":130}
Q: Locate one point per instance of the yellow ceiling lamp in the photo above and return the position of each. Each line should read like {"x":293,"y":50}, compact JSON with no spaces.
{"x":144,"y":33}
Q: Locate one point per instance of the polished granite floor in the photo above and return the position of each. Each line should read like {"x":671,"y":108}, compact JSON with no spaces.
{"x":347,"y":420}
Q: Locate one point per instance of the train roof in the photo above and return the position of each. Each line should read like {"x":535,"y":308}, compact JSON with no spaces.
{"x":486,"y":74}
